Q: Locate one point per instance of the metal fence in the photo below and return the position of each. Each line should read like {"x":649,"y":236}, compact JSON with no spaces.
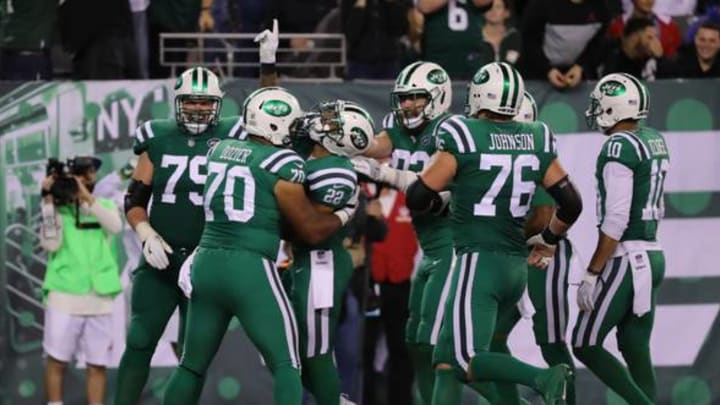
{"x":301,"y":56}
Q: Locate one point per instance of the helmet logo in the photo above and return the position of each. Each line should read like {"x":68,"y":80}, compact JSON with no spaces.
{"x":437,"y":76}
{"x":178,"y":82}
{"x":359,"y":138}
{"x":481,"y":77}
{"x":276,"y":108}
{"x":612,"y":88}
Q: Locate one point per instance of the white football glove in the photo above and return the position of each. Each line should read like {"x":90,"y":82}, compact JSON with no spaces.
{"x":155,"y":249}
{"x":348,"y":211}
{"x":586,"y":291}
{"x":368,"y":167}
{"x":184,"y":281}
{"x":268,"y":41}
{"x":542,"y":252}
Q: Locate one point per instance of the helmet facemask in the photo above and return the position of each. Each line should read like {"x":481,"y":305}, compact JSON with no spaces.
{"x":593,"y":112}
{"x":205,"y":112}
{"x":406,"y":117}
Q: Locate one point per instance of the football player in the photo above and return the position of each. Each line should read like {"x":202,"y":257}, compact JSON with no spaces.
{"x":628,"y":265}
{"x":492,"y":164}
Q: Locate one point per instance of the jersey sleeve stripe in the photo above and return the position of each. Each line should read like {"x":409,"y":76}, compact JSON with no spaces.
{"x":464,"y":132}
{"x":234,"y":130}
{"x":148,"y":130}
{"x":334,"y":172}
{"x":550,"y":144}
{"x":461,"y":145}
{"x":275,"y":157}
{"x":331,"y":181}
{"x":633,"y":141}
{"x":337,"y":176}
{"x":388,"y":121}
{"x":277,"y":166}
{"x":140,"y":133}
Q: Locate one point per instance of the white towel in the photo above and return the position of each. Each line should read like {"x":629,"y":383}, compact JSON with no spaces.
{"x":321,"y":278}
{"x":525,"y":305}
{"x":184,"y":281}
{"x":642,"y":281}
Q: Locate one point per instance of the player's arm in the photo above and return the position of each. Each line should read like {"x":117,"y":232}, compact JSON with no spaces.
{"x":538,"y":219}
{"x":139,"y":191}
{"x":563,"y":191}
{"x":138,"y":195}
{"x":430,"y":6}
{"x":380,"y":147}
{"x":618,"y":180}
{"x":309,"y":224}
{"x":424,"y":195}
{"x":268,"y":41}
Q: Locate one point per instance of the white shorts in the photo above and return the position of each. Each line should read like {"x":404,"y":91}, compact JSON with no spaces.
{"x":66,"y":335}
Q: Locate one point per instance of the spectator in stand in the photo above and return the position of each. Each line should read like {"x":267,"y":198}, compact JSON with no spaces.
{"x":672,"y":8}
{"x":453,"y":34}
{"x":373,"y":29}
{"x":103,"y":46}
{"x":26,"y":35}
{"x":412,"y":41}
{"x":639,"y":53}
{"x":710,"y":12}
{"x":501,"y":40}
{"x":392,"y":265}
{"x":667,"y":29}
{"x":299,"y":16}
{"x":699,"y":61}
{"x":140,"y":29}
{"x":563,"y":40}
{"x":175,"y":16}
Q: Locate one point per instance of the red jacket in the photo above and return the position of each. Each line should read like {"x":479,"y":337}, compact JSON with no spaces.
{"x":393,"y":260}
{"x":668,"y":32}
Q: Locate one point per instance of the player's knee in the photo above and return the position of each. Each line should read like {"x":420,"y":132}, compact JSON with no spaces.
{"x":139,"y":338}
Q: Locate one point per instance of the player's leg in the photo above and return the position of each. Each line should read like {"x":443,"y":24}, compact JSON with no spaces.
{"x":548,"y":292}
{"x":317,"y":330}
{"x":154,"y":298}
{"x":266,"y":314}
{"x":501,"y":392}
{"x":493,"y":283}
{"x":612,"y":303}
{"x":207,"y":321}
{"x":634,"y":334}
{"x":432,"y":286}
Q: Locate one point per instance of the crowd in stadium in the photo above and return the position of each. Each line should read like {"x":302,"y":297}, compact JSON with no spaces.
{"x":561,"y":41}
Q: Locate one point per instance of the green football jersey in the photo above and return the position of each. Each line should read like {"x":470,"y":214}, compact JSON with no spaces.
{"x":453,"y":39}
{"x":541,"y":198}
{"x":179,"y":171}
{"x":646,"y":154}
{"x":241,"y":211}
{"x":413,"y":153}
{"x":331,"y":181}
{"x":499,"y":165}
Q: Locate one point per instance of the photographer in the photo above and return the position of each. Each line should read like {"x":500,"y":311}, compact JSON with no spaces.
{"x":82,"y":276}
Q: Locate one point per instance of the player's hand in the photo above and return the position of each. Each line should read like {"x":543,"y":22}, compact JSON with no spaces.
{"x":268,"y":41}
{"x":155,"y":249}
{"x":184,"y":281}
{"x":369,"y":169}
{"x":348,"y":211}
{"x":542,"y":252}
{"x":586,"y":291}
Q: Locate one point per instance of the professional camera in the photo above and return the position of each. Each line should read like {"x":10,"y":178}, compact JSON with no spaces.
{"x":64,"y":189}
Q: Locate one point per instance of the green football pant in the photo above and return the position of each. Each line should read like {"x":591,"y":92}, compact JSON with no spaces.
{"x":155,"y":295}
{"x":485,"y":285}
{"x":429,"y":290}
{"x":547,"y":289}
{"x":614,"y":308}
{"x":317,"y":327}
{"x":243,"y":284}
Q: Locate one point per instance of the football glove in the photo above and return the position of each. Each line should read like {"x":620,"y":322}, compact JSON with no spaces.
{"x":155,"y":249}
{"x":586,"y":291}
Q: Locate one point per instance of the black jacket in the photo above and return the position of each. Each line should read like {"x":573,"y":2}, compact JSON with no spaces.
{"x":373,"y":32}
